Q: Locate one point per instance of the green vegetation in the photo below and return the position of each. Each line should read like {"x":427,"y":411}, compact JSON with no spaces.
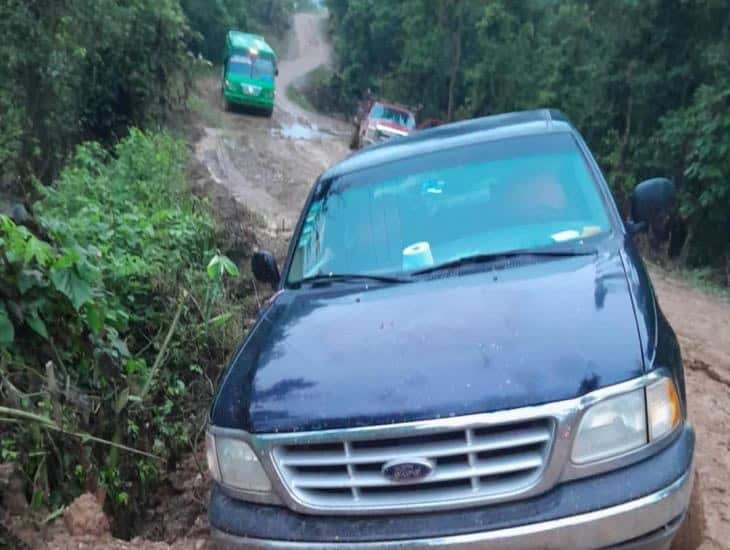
{"x":212,"y":19}
{"x":647,"y":82}
{"x":110,"y":322}
{"x":313,"y":92}
{"x":74,"y":70}
{"x":296,"y":95}
{"x":116,"y":306}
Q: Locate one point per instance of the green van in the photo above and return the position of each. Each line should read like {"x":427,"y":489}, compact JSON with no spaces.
{"x":249,"y":69}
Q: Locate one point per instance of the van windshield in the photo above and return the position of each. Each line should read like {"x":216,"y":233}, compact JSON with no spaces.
{"x":253,"y":67}
{"x":399,"y":217}
{"x":262,"y":68}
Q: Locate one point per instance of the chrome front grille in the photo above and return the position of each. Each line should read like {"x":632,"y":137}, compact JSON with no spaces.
{"x":474,"y":463}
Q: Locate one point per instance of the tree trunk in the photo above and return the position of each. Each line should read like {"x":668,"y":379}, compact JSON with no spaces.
{"x":456,"y":59}
{"x":684,"y":253}
{"x":622,"y":188}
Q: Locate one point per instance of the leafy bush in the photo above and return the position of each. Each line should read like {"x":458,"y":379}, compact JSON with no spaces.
{"x":110,"y":291}
{"x":695,"y":143}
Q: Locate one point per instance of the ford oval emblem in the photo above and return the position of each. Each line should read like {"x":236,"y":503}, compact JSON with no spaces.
{"x":408,"y":470}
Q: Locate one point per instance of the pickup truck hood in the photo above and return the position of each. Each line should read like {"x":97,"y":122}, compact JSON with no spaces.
{"x":542,"y":330}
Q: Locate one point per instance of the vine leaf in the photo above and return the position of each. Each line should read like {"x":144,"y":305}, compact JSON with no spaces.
{"x":67,"y":281}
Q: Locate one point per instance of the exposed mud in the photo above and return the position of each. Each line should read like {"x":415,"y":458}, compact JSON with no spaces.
{"x":702,"y":324}
{"x":269,"y":165}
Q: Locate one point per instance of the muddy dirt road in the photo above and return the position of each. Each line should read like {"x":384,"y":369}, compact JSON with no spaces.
{"x":269,"y":165}
{"x":702,"y":324}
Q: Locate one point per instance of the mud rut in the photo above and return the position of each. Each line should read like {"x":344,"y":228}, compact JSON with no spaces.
{"x":268,"y":165}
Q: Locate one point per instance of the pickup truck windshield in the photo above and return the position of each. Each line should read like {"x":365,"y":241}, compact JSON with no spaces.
{"x":401,"y":217}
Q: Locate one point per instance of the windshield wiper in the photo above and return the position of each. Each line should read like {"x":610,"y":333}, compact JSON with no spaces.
{"x":350,"y":278}
{"x":485,"y":258}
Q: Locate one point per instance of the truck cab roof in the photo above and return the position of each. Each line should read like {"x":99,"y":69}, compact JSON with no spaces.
{"x":455,"y":134}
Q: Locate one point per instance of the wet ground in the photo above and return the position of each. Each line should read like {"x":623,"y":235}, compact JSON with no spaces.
{"x":702,"y":323}
{"x":270,"y":164}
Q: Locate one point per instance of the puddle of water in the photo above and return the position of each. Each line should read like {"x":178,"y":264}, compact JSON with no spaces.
{"x":299,"y":131}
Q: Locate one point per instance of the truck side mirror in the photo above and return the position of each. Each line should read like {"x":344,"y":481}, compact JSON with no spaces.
{"x":651,"y":200}
{"x":264,"y":268}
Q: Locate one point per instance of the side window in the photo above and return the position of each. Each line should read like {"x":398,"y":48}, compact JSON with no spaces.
{"x":309,"y":256}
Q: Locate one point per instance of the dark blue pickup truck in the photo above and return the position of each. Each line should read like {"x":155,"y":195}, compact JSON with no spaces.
{"x":464,"y":350}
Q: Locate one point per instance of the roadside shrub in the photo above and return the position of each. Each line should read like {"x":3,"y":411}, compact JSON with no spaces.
{"x":694,"y":143}
{"x":321,"y":88}
{"x":113,"y":314}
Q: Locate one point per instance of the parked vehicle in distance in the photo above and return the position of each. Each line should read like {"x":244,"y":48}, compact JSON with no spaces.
{"x":378,"y":120}
{"x":464,"y":351}
{"x":249,"y":71}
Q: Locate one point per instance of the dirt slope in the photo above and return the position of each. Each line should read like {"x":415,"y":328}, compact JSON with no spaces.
{"x":702,"y":324}
{"x":269,"y":166}
{"x":307,"y":51}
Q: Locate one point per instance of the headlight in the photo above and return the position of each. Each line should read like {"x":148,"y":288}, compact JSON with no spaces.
{"x":611,"y":427}
{"x":229,"y":85}
{"x":211,"y":457}
{"x":627,"y":422}
{"x":233,"y":463}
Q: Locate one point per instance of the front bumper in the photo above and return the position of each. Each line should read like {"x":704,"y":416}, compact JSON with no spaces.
{"x":241,"y":98}
{"x":638,"y":507}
